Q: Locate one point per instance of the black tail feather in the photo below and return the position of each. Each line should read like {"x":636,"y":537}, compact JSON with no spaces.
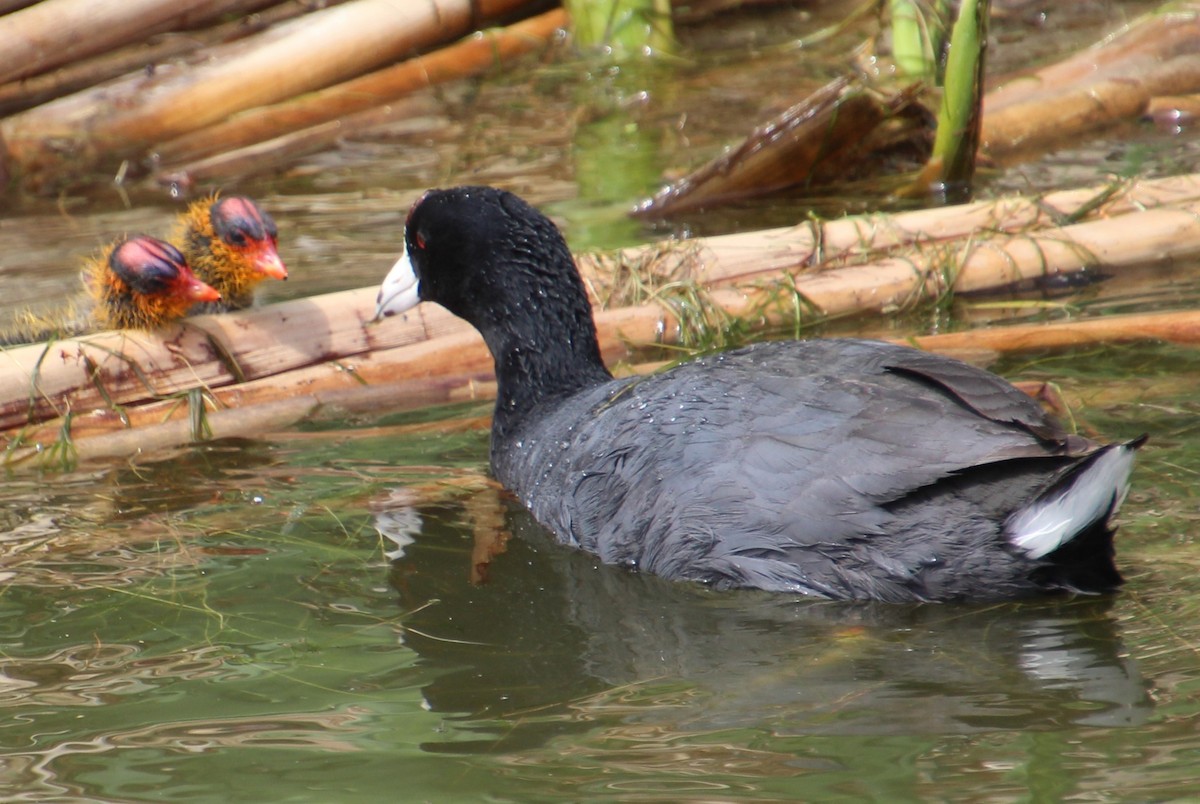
{"x":1084,"y":564}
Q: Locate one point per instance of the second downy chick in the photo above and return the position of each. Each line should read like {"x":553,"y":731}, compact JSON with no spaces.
{"x":232,"y":244}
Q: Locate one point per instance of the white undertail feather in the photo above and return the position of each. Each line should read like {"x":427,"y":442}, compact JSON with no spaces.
{"x":1093,"y":494}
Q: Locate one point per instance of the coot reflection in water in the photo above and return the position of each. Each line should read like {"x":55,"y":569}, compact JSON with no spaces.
{"x":555,"y":639}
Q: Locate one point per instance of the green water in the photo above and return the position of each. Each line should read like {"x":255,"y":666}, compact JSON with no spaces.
{"x":228,"y":625}
{"x":351,"y":612}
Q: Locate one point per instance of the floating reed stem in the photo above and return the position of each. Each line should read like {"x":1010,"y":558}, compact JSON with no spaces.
{"x":115,"y":381}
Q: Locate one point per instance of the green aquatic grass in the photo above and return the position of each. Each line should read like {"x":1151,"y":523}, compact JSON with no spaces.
{"x":918,"y":37}
{"x":624,"y":28}
{"x":961,"y":112}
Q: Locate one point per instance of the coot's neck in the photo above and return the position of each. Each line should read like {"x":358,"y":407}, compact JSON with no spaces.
{"x":539,"y":364}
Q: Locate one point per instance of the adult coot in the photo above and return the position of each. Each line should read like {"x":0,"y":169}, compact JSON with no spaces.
{"x":830,"y":468}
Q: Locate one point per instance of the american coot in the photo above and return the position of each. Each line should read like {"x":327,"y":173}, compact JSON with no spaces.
{"x":832,"y":468}
{"x":232,"y":244}
{"x":138,"y":282}
{"x":142,"y":283}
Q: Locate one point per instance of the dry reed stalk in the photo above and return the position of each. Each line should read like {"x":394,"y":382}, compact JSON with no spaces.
{"x":814,"y":141}
{"x":120,"y":368}
{"x":48,"y":34}
{"x":1177,"y":109}
{"x":460,"y":60}
{"x":323,"y":342}
{"x":91,"y":444}
{"x":155,"y":428}
{"x":1111,"y":81}
{"x":308,"y":122}
{"x":1180,"y":327}
{"x":9,"y":6}
{"x":302,"y":55}
{"x":264,"y":156}
{"x":741,"y":257}
{"x":992,"y":262}
{"x":419,"y":368}
{"x":147,"y":53}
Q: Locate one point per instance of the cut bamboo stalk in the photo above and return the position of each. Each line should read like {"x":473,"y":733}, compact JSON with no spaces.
{"x":811,"y":142}
{"x":233,"y":138}
{"x":1181,"y":327}
{"x":419,"y":363}
{"x":98,"y":372}
{"x":422,"y":361}
{"x":1156,"y":36}
{"x":22,"y":94}
{"x":95,"y":371}
{"x":305,"y":54}
{"x":155,"y":427}
{"x":1111,"y":81}
{"x":261,"y":157}
{"x":1174,"y":109}
{"x":488,"y":11}
{"x":742,"y":257}
{"x":897,"y":282}
{"x":9,"y":6}
{"x":151,"y":430}
{"x":254,"y":421}
{"x":463,"y":351}
{"x":55,"y":32}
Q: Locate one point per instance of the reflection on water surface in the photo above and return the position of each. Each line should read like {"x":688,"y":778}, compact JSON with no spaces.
{"x":369,"y":610}
{"x":351,"y":610}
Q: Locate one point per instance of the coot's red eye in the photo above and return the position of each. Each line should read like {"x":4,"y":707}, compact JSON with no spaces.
{"x":420,"y":240}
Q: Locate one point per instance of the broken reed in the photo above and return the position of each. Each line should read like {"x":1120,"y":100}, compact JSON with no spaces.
{"x":706,"y":292}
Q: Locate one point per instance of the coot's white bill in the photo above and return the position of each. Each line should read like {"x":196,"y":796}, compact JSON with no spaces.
{"x":398,"y":293}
